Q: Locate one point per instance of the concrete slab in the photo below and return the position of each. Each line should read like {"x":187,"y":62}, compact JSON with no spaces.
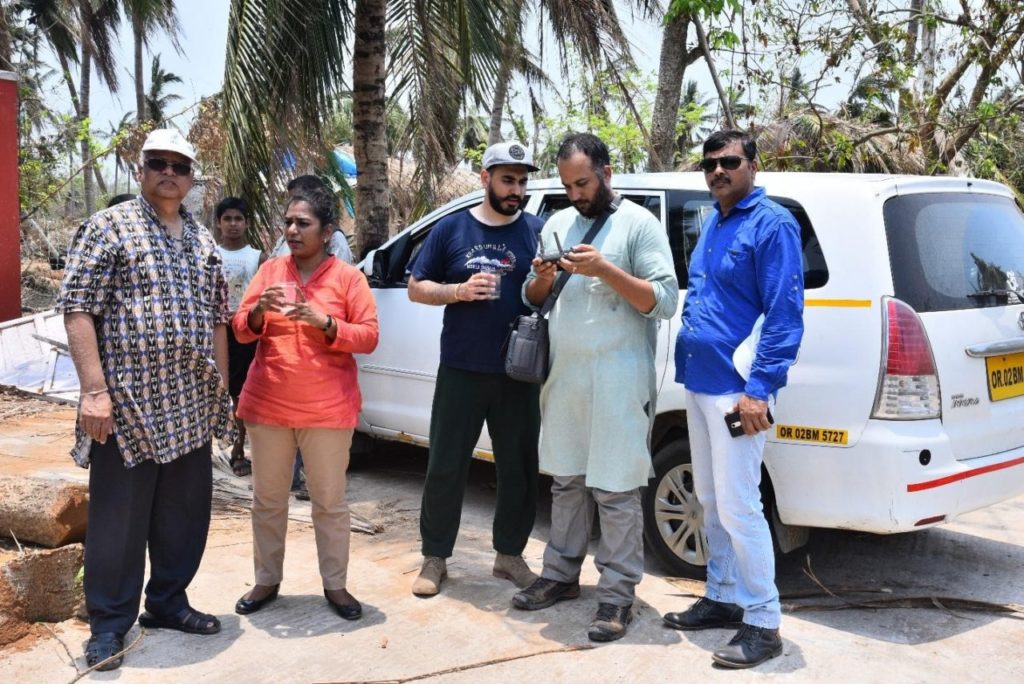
{"x":469,"y":633}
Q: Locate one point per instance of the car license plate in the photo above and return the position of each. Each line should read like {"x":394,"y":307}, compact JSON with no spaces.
{"x":1005,"y":376}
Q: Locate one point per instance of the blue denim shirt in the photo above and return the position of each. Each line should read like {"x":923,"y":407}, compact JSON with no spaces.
{"x":745,"y":264}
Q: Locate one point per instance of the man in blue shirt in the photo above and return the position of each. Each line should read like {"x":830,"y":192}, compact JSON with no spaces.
{"x":747,"y":263}
{"x":474,"y":263}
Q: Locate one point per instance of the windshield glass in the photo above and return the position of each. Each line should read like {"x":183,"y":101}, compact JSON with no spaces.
{"x":947,"y":250}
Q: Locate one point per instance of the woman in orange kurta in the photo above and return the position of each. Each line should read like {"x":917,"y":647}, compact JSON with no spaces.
{"x":302,"y":392}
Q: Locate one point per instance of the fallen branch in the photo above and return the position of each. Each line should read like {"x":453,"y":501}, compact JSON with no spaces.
{"x":474,"y":666}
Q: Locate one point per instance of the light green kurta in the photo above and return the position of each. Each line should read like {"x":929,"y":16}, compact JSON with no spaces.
{"x":597,"y":405}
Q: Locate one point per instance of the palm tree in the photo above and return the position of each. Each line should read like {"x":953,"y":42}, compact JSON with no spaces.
{"x":147,"y":17}
{"x":285,"y":70}
{"x":156,"y":99}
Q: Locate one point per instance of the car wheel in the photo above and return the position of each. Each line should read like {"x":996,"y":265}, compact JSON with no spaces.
{"x":673,"y":518}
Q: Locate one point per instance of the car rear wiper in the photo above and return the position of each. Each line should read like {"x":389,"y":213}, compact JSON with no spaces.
{"x":994,"y":297}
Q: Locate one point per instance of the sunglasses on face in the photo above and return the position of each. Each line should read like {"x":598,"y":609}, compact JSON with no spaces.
{"x":160,"y":165}
{"x":729,"y":163}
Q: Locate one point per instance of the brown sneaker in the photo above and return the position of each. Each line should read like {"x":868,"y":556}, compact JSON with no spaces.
{"x":514,"y":569}
{"x":433,"y":572}
{"x":610,"y":622}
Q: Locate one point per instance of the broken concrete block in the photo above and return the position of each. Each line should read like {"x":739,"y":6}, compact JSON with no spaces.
{"x":48,"y":512}
{"x":38,"y":585}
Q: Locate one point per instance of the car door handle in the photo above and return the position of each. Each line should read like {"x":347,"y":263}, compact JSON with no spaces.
{"x":980,"y":351}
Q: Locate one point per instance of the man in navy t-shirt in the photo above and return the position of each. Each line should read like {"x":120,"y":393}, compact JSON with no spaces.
{"x":474,"y":264}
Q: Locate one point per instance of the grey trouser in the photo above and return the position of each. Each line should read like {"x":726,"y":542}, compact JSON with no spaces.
{"x":620,"y":551}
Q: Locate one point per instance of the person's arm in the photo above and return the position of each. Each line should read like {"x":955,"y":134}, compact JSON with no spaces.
{"x":540,"y":281}
{"x":95,"y":410}
{"x":587,"y":260}
{"x":220,"y":350}
{"x":360,"y":332}
{"x":479,"y":286}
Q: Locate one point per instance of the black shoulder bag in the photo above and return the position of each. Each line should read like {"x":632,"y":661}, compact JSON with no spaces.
{"x":527,"y":345}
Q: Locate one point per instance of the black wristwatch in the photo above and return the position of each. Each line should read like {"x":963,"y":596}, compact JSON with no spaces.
{"x":327,"y":325}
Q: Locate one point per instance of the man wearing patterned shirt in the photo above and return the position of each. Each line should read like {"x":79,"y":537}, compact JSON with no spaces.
{"x":145,"y":307}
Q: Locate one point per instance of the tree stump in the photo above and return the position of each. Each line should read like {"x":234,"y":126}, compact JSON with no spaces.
{"x":38,"y":585}
{"x":47,"y":512}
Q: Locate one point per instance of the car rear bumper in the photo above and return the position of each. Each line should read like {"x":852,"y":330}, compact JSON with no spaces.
{"x":899,"y":476}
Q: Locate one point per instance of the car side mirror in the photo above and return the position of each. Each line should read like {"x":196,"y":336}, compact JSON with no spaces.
{"x":368,"y":262}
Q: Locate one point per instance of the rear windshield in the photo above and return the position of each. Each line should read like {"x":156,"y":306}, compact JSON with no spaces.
{"x":955,"y":250}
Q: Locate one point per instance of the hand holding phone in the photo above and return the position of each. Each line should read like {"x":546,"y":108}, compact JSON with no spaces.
{"x":554,"y":256}
{"x":735,"y":424}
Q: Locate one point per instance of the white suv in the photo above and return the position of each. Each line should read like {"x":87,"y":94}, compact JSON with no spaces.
{"x":906,"y":405}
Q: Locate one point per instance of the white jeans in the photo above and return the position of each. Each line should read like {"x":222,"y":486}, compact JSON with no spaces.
{"x":726,"y":478}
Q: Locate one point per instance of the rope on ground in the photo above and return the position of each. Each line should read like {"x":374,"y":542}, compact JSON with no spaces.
{"x":474,"y":666}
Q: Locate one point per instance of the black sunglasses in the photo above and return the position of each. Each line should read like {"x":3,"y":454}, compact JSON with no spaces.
{"x":160,"y":165}
{"x":729,"y":163}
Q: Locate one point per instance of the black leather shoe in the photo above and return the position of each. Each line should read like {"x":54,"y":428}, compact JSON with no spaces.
{"x":246,"y":606}
{"x":610,"y":622}
{"x":750,"y":647}
{"x":349,"y":611}
{"x":706,"y":614}
{"x":103,"y":646}
{"x":545,"y":592}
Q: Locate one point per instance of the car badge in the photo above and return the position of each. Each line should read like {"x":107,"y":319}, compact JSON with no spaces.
{"x":1020,"y":320}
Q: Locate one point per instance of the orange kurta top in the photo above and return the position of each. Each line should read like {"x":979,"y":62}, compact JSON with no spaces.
{"x":299,"y":379}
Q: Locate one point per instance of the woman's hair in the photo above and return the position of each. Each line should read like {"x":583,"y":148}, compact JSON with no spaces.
{"x":320,"y":202}
{"x":233,"y":203}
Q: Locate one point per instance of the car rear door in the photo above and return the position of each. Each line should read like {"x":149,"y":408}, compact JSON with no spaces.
{"x":958,"y":259}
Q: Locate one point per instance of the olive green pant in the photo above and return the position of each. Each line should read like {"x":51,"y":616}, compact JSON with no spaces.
{"x":463,"y":402}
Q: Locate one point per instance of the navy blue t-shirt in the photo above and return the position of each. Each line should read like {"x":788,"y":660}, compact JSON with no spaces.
{"x":459,"y":246}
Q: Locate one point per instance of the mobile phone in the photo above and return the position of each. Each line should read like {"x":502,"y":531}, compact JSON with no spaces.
{"x":735,"y":425}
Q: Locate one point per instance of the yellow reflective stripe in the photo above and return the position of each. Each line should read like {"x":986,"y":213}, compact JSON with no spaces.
{"x":847,"y":303}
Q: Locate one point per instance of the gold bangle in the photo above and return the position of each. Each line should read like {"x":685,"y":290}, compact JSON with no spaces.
{"x":93,"y":393}
{"x":457,"y":297}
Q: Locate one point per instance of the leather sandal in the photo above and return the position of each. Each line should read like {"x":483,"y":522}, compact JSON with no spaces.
{"x":185,"y":620}
{"x":240,"y":466}
{"x":103,"y":647}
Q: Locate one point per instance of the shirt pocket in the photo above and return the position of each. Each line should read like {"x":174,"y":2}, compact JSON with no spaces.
{"x":737,"y":261}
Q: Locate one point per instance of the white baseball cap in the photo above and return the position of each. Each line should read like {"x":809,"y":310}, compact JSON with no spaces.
{"x":169,"y":140}
{"x":511,"y":153}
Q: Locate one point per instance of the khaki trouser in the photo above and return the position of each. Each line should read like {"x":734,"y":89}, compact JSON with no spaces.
{"x":325,"y":454}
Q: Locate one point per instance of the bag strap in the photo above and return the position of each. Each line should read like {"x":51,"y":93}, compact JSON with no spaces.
{"x":556,"y":289}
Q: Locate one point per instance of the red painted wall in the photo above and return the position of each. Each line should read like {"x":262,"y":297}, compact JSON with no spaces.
{"x":10,"y":213}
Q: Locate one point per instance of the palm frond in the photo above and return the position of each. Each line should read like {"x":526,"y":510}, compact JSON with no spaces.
{"x":283,"y":72}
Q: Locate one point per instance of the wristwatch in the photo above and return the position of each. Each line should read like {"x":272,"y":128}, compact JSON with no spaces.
{"x":327,"y":325}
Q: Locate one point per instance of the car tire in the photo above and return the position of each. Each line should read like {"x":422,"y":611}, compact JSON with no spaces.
{"x":673,"y":518}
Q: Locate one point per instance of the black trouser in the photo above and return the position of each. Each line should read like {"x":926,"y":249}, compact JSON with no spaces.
{"x":463,"y":400}
{"x":166,"y":505}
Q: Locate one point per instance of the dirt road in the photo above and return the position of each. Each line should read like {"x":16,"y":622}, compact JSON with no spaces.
{"x":469,"y":633}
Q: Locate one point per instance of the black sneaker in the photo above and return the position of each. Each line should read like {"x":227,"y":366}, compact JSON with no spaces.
{"x":750,"y":647}
{"x":706,"y":614}
{"x":610,"y":622}
{"x":545,"y":592}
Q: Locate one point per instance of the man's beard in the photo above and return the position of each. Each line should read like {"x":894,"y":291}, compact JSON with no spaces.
{"x":496,"y":202}
{"x":595,"y":207}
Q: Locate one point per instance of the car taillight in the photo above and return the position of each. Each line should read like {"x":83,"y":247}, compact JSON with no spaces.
{"x":908,"y":385}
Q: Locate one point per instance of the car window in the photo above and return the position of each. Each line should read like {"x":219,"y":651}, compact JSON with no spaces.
{"x":687,"y":211}
{"x":947,"y":249}
{"x":557,"y":201}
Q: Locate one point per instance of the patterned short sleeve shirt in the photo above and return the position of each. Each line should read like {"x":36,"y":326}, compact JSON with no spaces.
{"x":155,"y":301}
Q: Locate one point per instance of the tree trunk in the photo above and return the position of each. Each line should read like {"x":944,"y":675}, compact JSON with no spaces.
{"x":508,"y":58}
{"x":671,"y":68}
{"x":369,"y":139}
{"x":140,"y":86}
{"x":100,"y":183}
{"x":722,"y":97}
{"x":88,"y":184}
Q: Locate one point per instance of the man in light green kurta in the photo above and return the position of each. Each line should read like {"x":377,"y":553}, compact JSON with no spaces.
{"x":597,"y":405}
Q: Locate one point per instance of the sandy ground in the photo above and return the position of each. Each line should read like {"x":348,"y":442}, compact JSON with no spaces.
{"x":469,"y":633}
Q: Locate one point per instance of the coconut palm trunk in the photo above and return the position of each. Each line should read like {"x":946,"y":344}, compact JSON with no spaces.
{"x":672,"y":67}
{"x":369,"y":124}
{"x":84,"y":86}
{"x":138,"y":37}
